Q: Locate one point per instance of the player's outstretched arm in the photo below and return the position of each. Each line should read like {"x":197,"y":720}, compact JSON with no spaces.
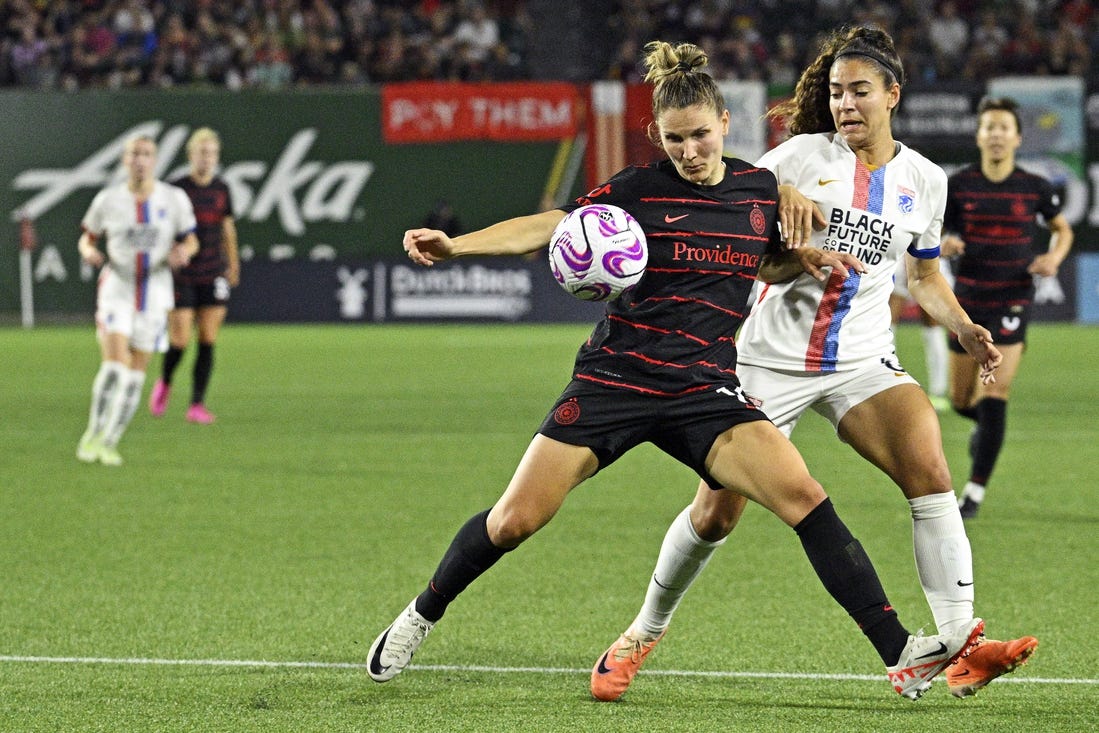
{"x":517,"y":236}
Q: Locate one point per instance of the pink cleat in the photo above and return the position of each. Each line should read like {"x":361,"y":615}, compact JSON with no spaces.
{"x":158,"y":398}
{"x":197,"y":413}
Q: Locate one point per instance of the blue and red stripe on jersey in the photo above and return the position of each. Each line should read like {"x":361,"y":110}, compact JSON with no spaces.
{"x":823,"y":349}
{"x":141,"y":263}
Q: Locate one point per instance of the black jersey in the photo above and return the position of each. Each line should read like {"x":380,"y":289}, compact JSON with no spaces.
{"x":674,"y":333}
{"x":212,"y":204}
{"x":998,"y":222}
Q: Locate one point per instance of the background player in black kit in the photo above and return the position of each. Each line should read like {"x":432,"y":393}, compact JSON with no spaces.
{"x":202,"y":288}
{"x":991,"y":225}
{"x":660,"y":368}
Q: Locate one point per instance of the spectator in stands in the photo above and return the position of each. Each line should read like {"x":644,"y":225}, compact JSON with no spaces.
{"x":1068,"y":51}
{"x":480,"y":30}
{"x":1024,"y":52}
{"x":124,"y":43}
{"x":949,"y":35}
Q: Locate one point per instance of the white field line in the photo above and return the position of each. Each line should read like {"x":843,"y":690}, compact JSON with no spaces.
{"x":263,"y":663}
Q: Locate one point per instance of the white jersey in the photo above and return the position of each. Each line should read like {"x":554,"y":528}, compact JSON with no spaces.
{"x":139,"y":236}
{"x":876,"y":215}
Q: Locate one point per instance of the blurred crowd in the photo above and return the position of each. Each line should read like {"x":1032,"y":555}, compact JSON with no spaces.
{"x":948,"y":40}
{"x":271,"y":44}
{"x":237,"y":44}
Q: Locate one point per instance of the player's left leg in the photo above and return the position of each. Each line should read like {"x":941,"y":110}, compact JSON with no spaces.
{"x":881,"y":429}
{"x":210,"y":318}
{"x":936,"y":358}
{"x":991,"y":413}
{"x":756,"y":460}
{"x":124,"y":406}
{"x":180,"y":324}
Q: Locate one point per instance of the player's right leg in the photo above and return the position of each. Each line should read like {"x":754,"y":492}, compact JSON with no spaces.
{"x":692,"y":538}
{"x":546,"y":474}
{"x":756,"y":460}
{"x":108,"y":381}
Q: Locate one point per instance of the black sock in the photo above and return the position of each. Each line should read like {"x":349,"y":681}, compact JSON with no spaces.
{"x":171,"y":361}
{"x":470,"y":554}
{"x":204,"y":365}
{"x":847,"y":573}
{"x":967,"y":412}
{"x":991,"y":426}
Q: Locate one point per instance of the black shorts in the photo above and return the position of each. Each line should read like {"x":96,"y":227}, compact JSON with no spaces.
{"x":1007,"y":326}
{"x":611,"y":421}
{"x":200,"y":295}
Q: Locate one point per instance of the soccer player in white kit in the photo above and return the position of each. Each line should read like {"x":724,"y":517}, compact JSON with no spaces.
{"x":148,"y":228}
{"x":823,"y":340}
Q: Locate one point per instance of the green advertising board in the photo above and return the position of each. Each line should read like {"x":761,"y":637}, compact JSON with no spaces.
{"x":310,"y":176}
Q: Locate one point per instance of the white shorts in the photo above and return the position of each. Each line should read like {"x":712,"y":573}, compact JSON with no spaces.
{"x":900,"y":276}
{"x":784,"y":396}
{"x":141,"y":317}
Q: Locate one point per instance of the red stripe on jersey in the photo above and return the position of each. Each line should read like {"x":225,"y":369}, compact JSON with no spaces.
{"x":673,"y":270}
{"x":657,"y":329}
{"x":861,"y":197}
{"x":826,"y":312}
{"x":141,"y":280}
{"x":681,"y":299}
{"x":640,"y":389}
{"x":658,"y":362}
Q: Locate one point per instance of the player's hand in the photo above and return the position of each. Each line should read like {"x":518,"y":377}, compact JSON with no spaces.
{"x":798,"y":216}
{"x":93,"y":256}
{"x":232,"y":275}
{"x":1044,"y":265}
{"x":951,"y":246}
{"x":977,"y":341}
{"x":178,"y":256}
{"x":427,"y":246}
{"x":814,"y":261}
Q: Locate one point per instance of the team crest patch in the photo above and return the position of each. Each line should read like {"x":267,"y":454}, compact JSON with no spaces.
{"x":567,"y":413}
{"x":757,"y":220}
{"x":906,"y":199}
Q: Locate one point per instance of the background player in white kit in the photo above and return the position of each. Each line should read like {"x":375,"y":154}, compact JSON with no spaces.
{"x":149,"y":227}
{"x":822,"y":341}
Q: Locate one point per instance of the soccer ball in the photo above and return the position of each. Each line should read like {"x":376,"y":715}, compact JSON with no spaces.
{"x":598,"y":252}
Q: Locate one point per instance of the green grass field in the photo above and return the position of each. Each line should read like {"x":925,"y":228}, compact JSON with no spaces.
{"x":145,"y":598}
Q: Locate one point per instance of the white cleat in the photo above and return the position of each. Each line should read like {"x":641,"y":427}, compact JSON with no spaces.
{"x":393,"y":649}
{"x":925,"y":656}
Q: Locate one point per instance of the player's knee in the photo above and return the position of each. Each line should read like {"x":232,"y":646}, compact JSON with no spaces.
{"x":508,"y":528}
{"x":713,"y":522}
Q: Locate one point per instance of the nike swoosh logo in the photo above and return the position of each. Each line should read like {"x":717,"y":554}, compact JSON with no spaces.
{"x":602,"y":668}
{"x":937,"y":652}
{"x":826,"y":181}
{"x":673,"y":219}
{"x":962,"y":585}
{"x":964,"y":673}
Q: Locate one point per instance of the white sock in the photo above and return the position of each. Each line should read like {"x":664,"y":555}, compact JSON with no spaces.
{"x":125,"y":405}
{"x":976,"y":492}
{"x":936,"y":357}
{"x":105,"y":388}
{"x":683,"y":555}
{"x":944,"y":559}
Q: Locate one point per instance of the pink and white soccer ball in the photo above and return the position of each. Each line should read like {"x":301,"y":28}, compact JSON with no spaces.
{"x":598,"y":252}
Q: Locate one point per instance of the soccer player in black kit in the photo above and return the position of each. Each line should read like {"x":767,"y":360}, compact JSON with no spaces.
{"x":991,"y":226}
{"x":660,"y":368}
{"x":202,"y":288}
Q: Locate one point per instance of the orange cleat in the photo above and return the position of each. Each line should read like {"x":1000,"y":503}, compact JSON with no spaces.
{"x":615,"y":670}
{"x":985,"y":661}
